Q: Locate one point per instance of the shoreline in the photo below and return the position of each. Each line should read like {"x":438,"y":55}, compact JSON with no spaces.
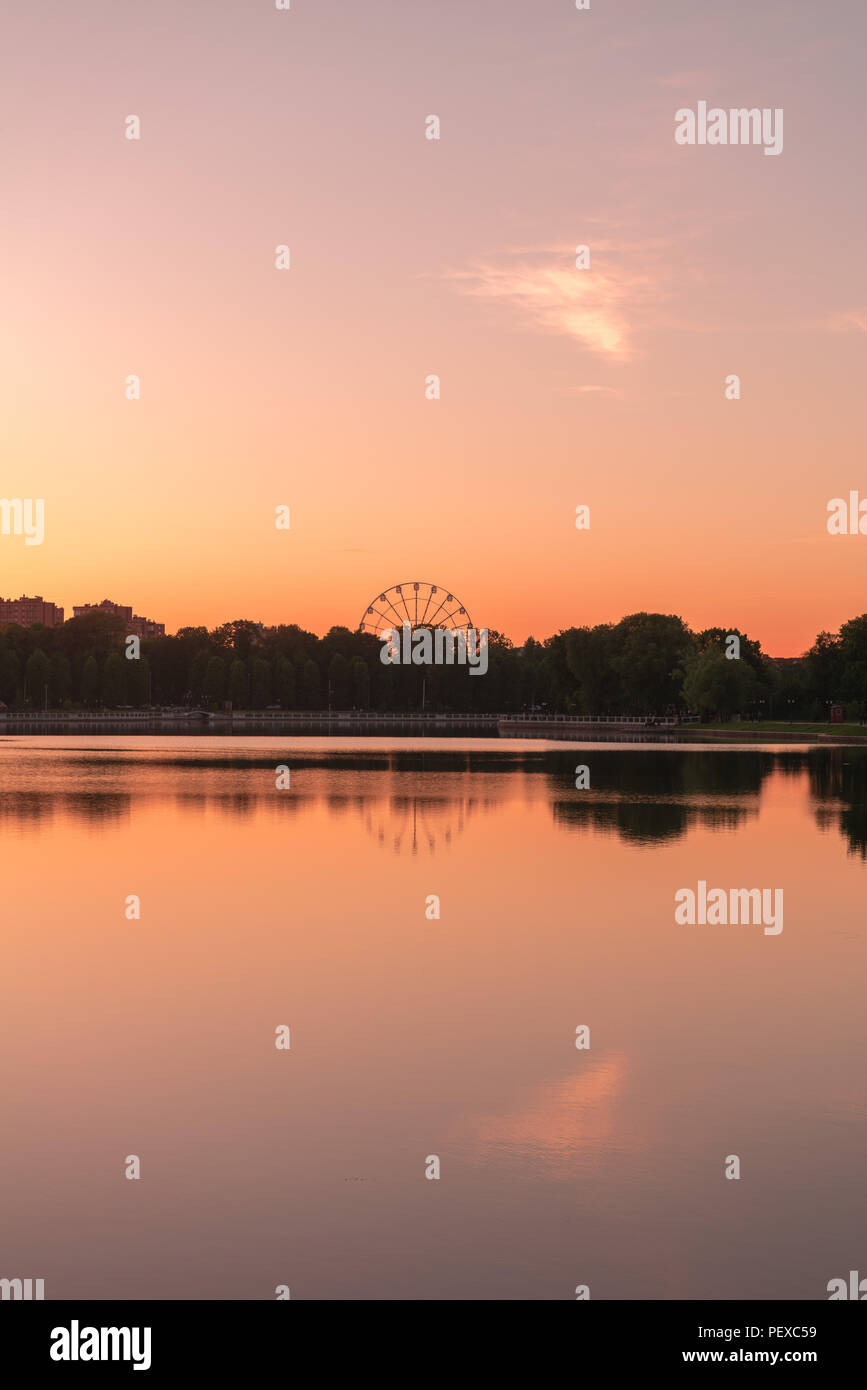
{"x":571,"y":729}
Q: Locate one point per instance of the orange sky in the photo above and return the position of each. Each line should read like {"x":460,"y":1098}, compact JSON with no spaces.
{"x":455,"y":257}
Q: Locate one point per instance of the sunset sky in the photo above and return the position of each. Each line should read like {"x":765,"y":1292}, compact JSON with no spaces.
{"x":410,"y":257}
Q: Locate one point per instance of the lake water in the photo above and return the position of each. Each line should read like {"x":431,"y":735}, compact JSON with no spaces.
{"x":412,"y":1036}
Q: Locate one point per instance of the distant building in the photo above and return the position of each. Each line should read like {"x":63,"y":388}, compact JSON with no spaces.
{"x":81,"y":610}
{"x":140,"y":627}
{"x":24,"y":611}
{"x":146,"y":627}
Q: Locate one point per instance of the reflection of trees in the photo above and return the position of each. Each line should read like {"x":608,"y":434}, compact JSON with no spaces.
{"x":237,"y":805}
{"x":420,"y":801}
{"x":838,"y":783}
{"x":651,"y":796}
{"x":642,"y":822}
{"x":32,"y":808}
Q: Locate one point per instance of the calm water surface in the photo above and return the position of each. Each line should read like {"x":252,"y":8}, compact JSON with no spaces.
{"x":412,"y":1037}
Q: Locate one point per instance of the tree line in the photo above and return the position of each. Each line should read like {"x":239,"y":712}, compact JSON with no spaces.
{"x":646,"y":664}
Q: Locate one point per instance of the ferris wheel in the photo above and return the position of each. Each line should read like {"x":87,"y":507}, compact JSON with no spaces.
{"x":418,"y":603}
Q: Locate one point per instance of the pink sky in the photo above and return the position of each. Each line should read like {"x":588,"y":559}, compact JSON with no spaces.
{"x":455,"y":257}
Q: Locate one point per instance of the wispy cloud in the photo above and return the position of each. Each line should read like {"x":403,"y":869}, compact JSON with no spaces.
{"x":690,"y":77}
{"x":588,"y":389}
{"x":849,"y":321}
{"x":597,"y":307}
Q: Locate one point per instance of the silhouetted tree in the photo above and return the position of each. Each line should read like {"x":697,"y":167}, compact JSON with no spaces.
{"x":90,"y":680}
{"x":113,"y":682}
{"x":215,"y":681}
{"x":37,"y":674}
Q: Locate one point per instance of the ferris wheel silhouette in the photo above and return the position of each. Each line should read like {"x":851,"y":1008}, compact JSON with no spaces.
{"x":417,"y":823}
{"x":416,"y":602}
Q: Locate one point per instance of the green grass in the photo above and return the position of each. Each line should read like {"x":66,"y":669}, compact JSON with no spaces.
{"x":818,"y":729}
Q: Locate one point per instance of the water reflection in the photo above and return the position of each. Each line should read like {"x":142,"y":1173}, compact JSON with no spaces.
{"x":561,"y":1122}
{"x":413,"y":1035}
{"x":838,"y":783}
{"x":411,"y":800}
